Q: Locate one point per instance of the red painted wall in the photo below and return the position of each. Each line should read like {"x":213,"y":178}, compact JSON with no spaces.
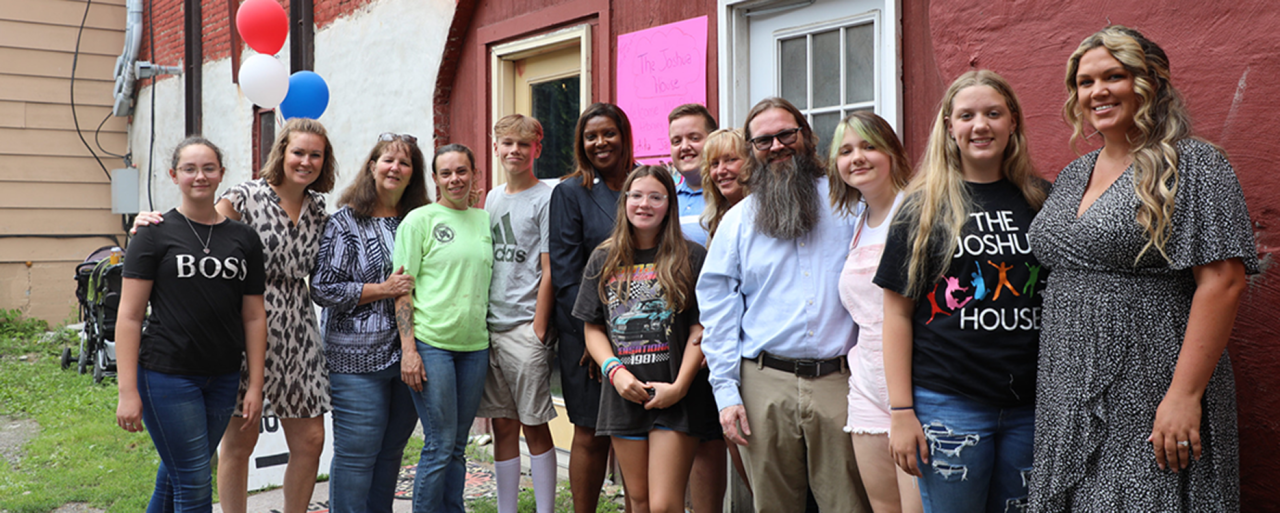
{"x":1225,"y":58}
{"x":467,"y":107}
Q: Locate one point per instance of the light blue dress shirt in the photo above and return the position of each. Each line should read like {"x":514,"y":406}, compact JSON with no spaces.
{"x":691,"y":205}
{"x":758,"y":293}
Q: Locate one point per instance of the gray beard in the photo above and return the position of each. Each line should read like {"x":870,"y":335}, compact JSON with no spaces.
{"x":786,"y":198}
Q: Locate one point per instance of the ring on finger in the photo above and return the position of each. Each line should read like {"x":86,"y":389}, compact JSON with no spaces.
{"x":1184,"y":443}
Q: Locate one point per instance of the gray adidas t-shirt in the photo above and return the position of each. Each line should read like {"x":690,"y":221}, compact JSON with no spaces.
{"x":520,"y":228}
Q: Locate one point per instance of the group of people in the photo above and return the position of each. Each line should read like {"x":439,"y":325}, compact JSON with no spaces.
{"x":854,"y":333}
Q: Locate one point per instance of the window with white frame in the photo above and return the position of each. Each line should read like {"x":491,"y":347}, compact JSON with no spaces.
{"x":828,"y":71}
{"x":828,"y":57}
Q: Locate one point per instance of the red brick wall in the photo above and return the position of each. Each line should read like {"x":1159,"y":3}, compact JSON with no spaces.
{"x":216,"y":38}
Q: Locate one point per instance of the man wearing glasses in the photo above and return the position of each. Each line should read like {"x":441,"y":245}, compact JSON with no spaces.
{"x":776,"y":334}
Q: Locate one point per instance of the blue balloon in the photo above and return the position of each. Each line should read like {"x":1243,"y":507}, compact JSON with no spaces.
{"x":308,"y":96}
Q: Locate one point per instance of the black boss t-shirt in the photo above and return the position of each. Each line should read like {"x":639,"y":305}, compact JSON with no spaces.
{"x":976,"y":331}
{"x":195,"y":327}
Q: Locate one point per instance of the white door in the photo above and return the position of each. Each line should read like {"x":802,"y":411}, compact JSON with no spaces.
{"x":828,"y":57}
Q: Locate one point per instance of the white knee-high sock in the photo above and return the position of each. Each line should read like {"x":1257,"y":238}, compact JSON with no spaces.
{"x":507,"y":473}
{"x":543,"y":468}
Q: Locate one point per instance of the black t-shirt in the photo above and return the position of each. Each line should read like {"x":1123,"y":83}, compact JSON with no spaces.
{"x":649,"y":338}
{"x":976,"y":331}
{"x":195,"y":327}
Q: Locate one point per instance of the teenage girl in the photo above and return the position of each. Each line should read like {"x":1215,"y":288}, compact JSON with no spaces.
{"x":962,"y":305}
{"x":641,"y":323}
{"x":868,"y":158}
{"x":203,"y":275}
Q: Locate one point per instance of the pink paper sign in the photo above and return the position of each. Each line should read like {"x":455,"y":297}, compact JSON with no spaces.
{"x":660,"y":69}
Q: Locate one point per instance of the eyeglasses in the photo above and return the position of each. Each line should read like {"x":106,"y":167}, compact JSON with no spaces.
{"x":388,"y":137}
{"x":640,"y":197}
{"x":765,"y":142}
{"x":191,"y":170}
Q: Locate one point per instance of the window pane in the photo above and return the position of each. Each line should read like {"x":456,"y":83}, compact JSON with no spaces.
{"x":826,"y":69}
{"x":823,"y":126}
{"x":555,"y":105}
{"x":795,"y":78}
{"x":860,"y":73}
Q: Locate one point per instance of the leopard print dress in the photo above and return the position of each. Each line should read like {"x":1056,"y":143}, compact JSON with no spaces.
{"x":297,"y":379}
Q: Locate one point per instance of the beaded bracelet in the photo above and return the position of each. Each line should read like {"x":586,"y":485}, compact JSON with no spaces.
{"x":614,"y":371}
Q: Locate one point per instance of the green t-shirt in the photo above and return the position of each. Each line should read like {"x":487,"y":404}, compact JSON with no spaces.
{"x":450,"y":255}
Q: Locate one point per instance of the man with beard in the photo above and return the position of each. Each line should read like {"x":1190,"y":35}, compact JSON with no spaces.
{"x":776,"y":334}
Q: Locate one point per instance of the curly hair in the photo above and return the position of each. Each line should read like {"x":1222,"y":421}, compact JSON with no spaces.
{"x":1161,"y":121}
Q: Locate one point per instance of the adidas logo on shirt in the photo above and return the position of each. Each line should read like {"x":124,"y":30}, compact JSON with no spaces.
{"x":505,"y":248}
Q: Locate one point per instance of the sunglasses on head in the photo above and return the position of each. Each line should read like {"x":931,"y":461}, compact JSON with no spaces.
{"x":388,"y":137}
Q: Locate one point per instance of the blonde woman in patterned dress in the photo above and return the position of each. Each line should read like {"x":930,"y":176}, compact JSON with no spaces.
{"x":286,"y":208}
{"x":1149,"y":241}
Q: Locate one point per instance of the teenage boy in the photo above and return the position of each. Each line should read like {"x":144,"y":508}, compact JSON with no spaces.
{"x":688,"y":126}
{"x":517,"y":391}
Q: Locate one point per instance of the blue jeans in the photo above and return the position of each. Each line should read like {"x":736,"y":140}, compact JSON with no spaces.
{"x":447,"y":405}
{"x":979,"y":455}
{"x":373,"y":416}
{"x":186,"y":416}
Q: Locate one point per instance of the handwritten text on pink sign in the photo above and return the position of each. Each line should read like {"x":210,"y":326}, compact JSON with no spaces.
{"x":659,"y":69}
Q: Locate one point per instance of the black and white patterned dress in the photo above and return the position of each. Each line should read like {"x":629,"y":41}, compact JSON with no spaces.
{"x":297,"y":380}
{"x":1112,"y":332}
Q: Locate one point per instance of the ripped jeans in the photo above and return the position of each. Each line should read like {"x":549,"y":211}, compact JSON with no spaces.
{"x":979,"y":455}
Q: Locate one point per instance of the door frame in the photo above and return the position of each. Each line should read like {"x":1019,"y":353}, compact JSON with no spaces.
{"x":733,"y":38}
{"x":502,"y":61}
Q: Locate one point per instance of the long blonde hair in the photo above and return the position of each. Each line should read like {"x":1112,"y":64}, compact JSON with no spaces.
{"x":1161,"y":121}
{"x":671,"y":264}
{"x":725,"y":141}
{"x":938,"y":203}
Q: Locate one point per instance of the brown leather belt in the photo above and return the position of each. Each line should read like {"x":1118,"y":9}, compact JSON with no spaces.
{"x":800,"y":367}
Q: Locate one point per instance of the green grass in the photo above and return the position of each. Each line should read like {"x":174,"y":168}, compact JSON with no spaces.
{"x":528,"y":503}
{"x":80,"y":455}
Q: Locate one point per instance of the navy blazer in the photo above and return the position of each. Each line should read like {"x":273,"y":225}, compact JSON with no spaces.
{"x":580,"y":220}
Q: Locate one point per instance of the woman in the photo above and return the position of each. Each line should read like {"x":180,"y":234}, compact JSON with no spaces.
{"x":286,"y":207}
{"x":867,"y":156}
{"x":723,"y":155}
{"x":1149,"y":240}
{"x":373,"y":413}
{"x":640,"y":283}
{"x":445,"y":246}
{"x":961,"y":299}
{"x":583,"y":210}
{"x":287,"y":210}
{"x":206,"y":315}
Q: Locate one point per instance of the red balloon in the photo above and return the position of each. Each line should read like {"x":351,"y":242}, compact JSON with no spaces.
{"x":263,"y":24}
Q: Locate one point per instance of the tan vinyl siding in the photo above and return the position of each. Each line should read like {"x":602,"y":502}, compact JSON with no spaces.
{"x":55,"y":200}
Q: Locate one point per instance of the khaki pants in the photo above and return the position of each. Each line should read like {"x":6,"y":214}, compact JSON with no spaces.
{"x":798,"y":440}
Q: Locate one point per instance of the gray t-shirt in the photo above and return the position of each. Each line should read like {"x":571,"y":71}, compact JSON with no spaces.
{"x":520,"y":231}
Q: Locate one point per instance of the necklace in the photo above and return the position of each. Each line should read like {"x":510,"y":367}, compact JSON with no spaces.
{"x":203,"y":243}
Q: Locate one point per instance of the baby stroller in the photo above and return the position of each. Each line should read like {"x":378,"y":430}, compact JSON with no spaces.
{"x":98,"y":291}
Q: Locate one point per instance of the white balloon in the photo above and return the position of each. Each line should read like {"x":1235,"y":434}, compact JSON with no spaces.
{"x":264,"y":80}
